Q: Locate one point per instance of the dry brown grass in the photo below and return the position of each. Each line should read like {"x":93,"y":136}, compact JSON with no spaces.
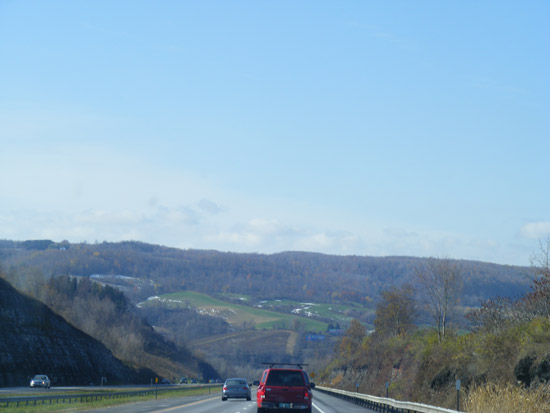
{"x":496,"y":398}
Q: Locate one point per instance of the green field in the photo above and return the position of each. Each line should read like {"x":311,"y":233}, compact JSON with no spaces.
{"x":264,"y":315}
{"x":337,"y":312}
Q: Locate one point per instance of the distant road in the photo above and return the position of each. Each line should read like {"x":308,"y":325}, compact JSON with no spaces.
{"x":72,"y":389}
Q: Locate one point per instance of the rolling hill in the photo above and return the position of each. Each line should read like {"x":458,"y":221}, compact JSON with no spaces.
{"x":263,"y":305}
{"x":297,"y":276}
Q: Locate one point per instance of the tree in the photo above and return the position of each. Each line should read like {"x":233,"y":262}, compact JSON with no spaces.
{"x":499,"y":313}
{"x":395,"y":313}
{"x":494,"y":315}
{"x":540,"y":260}
{"x":441,"y":282}
{"x":539,"y":299}
{"x":540,"y":265}
{"x":353,"y":338}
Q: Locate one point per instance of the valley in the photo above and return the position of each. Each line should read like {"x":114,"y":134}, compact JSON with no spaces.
{"x":208,"y":315}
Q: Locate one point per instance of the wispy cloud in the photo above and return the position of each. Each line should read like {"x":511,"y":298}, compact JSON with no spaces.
{"x":535,"y":230}
{"x":209,"y":206}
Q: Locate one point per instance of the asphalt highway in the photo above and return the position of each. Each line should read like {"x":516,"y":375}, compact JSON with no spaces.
{"x":322,"y":403}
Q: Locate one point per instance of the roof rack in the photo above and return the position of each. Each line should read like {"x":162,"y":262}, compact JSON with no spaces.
{"x":299,"y":365}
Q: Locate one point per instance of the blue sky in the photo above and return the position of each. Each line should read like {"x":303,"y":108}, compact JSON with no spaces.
{"x":342,"y":127}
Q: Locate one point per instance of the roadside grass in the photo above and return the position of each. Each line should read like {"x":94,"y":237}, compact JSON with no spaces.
{"x":53,"y":392}
{"x":496,"y":398}
{"x":45,"y":406}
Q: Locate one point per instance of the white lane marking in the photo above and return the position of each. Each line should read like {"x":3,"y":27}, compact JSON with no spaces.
{"x":247,"y":407}
{"x":185,"y":405}
{"x":318,"y":408}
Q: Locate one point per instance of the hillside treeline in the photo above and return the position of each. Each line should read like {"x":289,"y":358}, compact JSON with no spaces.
{"x":106,"y":314}
{"x":503,"y":363}
{"x":305,"y":276}
{"x":181,"y":325}
{"x":36,"y":339}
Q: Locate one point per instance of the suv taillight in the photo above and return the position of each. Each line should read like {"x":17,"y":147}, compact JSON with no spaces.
{"x":306,"y":395}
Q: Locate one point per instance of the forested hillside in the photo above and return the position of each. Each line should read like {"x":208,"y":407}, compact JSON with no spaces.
{"x":503,"y":363}
{"x":76,"y":279}
{"x":105,"y":314}
{"x":36,"y":340}
{"x":292,"y":275}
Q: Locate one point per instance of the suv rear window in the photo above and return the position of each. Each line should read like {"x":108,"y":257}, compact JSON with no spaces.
{"x":285,"y":378}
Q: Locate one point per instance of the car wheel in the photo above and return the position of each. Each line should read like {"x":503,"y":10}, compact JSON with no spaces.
{"x":224,"y":399}
{"x":261,"y":410}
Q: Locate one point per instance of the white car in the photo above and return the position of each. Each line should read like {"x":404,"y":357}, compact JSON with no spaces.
{"x":40,"y":380}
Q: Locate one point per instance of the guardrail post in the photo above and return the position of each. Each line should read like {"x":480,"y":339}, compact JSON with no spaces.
{"x":457,"y":395}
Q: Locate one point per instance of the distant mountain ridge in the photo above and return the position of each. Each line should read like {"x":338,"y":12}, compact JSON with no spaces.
{"x":292,"y":275}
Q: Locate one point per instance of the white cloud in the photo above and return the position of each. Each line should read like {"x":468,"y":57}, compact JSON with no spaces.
{"x":102,"y":217}
{"x":535,"y":230}
{"x":210,"y":206}
{"x":237,"y":240}
{"x":258,"y":233}
{"x":94,"y":192}
{"x":315,"y":242}
{"x":266,"y":227}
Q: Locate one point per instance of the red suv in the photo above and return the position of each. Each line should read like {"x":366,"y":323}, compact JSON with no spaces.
{"x":284,"y":389}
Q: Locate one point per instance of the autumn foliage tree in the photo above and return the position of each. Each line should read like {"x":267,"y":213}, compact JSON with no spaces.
{"x":100,"y":311}
{"x":396,"y":311}
{"x":352,"y":340}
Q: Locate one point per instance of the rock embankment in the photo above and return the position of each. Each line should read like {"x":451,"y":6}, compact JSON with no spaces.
{"x":35,"y":340}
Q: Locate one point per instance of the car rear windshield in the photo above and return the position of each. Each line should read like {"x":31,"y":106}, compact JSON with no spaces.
{"x":235,"y":382}
{"x":285,"y":378}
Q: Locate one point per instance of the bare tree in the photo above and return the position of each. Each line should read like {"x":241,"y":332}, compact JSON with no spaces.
{"x":539,"y":299}
{"x":499,"y":313}
{"x":540,"y":263}
{"x":441,"y":282}
{"x":494,"y":315}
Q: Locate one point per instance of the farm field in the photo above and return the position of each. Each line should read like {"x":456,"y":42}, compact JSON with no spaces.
{"x":273,"y":314}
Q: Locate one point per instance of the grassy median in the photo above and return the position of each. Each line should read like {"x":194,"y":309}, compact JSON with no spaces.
{"x":45,"y":406}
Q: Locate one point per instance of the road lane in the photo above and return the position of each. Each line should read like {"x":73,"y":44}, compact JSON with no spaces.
{"x":322,"y":403}
{"x":191,"y":404}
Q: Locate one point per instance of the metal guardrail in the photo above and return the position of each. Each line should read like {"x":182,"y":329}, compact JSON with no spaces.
{"x":85,"y":397}
{"x":383,"y":404}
